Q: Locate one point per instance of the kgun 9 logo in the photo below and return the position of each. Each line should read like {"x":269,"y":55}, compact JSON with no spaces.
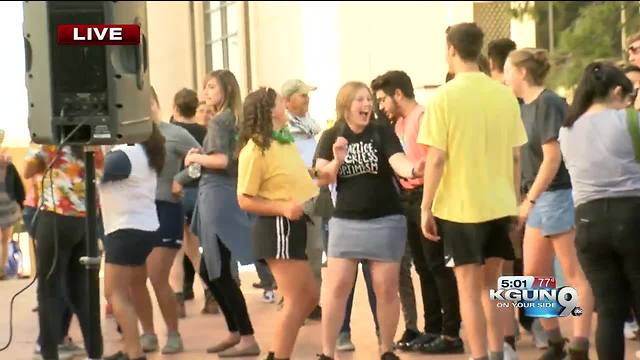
{"x":536,"y":298}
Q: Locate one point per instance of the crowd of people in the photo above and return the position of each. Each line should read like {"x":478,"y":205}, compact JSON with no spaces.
{"x":496,"y":175}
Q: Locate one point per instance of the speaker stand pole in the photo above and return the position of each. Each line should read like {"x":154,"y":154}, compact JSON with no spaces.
{"x":92,"y":261}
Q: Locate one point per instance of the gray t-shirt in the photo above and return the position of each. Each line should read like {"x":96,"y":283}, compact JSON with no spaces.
{"x":599,"y":154}
{"x":542,"y":120}
{"x":178,"y":142}
{"x":222,"y":139}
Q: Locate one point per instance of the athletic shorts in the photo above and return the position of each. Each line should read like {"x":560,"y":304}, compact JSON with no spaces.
{"x":171,"y":218}
{"x":276,"y":237}
{"x":189,"y":203}
{"x":129,"y":247}
{"x":474,"y":243}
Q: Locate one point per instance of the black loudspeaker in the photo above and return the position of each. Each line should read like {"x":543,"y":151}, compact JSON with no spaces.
{"x":100,"y":93}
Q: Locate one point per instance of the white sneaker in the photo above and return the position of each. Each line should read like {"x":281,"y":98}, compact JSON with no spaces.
{"x":344,"y":343}
{"x":630,"y":330}
{"x":509,"y":352}
{"x":269,"y":296}
{"x":539,"y":335}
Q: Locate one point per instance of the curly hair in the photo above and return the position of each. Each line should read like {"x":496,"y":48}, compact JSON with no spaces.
{"x":257,"y":123}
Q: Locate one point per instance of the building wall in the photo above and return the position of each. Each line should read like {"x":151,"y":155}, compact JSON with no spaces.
{"x":329,"y":43}
{"x":325,"y":43}
{"x":171,"y":54}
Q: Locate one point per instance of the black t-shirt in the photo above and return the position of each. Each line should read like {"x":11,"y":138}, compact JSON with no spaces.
{"x":196,"y":130}
{"x":366,"y":182}
{"x":543,"y":119}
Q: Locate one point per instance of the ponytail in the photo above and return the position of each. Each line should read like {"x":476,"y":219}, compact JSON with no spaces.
{"x":598,"y":80}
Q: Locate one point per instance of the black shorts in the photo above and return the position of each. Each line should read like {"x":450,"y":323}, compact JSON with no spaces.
{"x":129,"y":247}
{"x":276,"y":237}
{"x":474,"y":243}
{"x":171,"y":218}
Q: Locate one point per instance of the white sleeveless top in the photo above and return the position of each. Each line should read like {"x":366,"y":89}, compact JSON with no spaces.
{"x":130,"y":203}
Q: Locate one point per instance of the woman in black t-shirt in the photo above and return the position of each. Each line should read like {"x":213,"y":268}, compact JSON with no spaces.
{"x":547,"y":207}
{"x":363,"y":157}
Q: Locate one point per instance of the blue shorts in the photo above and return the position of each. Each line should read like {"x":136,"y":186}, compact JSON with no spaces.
{"x":171,"y":218}
{"x":553,"y":213}
{"x":189,"y":203}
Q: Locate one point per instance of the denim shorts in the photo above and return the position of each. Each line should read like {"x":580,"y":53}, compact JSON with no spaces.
{"x":553,"y":213}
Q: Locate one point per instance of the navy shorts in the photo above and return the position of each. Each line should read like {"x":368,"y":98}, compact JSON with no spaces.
{"x":171,"y":218}
{"x":189,"y":203}
{"x":129,"y":247}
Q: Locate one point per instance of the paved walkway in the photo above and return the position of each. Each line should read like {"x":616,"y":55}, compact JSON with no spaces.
{"x":200,"y":331}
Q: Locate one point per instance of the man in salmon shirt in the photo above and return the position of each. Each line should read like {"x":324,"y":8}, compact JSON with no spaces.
{"x":395,"y":96}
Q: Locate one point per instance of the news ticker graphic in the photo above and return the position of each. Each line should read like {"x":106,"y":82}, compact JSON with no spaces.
{"x":98,"y":34}
{"x":538,"y":296}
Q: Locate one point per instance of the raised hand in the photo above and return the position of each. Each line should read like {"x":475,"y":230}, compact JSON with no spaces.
{"x":340,"y":148}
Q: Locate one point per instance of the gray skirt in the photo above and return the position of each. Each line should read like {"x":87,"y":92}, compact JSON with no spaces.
{"x":381,"y":239}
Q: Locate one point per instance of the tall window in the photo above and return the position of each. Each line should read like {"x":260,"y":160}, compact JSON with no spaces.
{"x":222,"y":40}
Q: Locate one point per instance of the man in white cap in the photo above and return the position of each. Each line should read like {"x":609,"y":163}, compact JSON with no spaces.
{"x":304,"y":129}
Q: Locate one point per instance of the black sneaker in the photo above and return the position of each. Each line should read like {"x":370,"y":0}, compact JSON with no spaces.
{"x":423,"y":340}
{"x":122,"y":356}
{"x":555,"y":351}
{"x":407,"y":338}
{"x":443,"y":345}
{"x":316,"y":314}
{"x":117,"y":356}
{"x":578,"y":354}
{"x":389,"y":356}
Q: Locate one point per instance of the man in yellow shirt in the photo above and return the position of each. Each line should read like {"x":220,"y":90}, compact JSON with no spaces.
{"x":473,"y":129}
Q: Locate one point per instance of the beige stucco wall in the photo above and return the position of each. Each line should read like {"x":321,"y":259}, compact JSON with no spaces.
{"x":170,"y":50}
{"x":325,"y":43}
{"x":330,"y":43}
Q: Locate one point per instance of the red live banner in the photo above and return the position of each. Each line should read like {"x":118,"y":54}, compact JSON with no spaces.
{"x":112,"y":34}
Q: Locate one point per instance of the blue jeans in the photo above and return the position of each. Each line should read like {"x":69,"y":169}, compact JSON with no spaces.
{"x":346,"y":324}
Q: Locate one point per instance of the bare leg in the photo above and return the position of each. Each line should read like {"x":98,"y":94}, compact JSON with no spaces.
{"x":142,"y":300}
{"x":117,"y":281}
{"x":300,"y":290}
{"x":386,"y":279}
{"x":5,"y":235}
{"x":158,"y":266}
{"x":340,"y":276}
{"x":470,"y":280}
{"x":491,"y":271}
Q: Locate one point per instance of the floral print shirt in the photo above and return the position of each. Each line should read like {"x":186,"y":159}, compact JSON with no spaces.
{"x":66,"y":180}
